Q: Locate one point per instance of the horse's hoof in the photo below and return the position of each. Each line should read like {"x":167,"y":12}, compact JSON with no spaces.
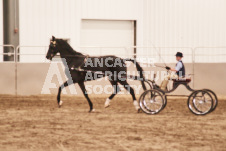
{"x":60,"y":103}
{"x":107,"y":103}
{"x":137,"y":107}
{"x":106,"y":106}
{"x":92,"y":110}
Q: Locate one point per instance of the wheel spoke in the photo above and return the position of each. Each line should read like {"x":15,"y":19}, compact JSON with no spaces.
{"x":202,"y":102}
{"x":152,"y":101}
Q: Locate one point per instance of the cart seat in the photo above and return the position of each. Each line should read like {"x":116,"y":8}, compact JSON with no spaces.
{"x":185,"y":80}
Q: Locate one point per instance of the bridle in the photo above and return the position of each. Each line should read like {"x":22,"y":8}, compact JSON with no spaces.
{"x":79,"y":68}
{"x":52,"y":44}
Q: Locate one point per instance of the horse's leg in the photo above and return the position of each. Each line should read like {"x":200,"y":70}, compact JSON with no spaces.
{"x":116,"y":90}
{"x":83,"y":88}
{"x":130,"y":89}
{"x":59,"y":92}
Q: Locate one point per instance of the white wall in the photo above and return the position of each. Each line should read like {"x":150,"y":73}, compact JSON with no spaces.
{"x":160,"y":23}
{"x":185,"y":23}
{"x":40,"y":19}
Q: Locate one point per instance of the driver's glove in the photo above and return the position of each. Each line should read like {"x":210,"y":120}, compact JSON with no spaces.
{"x":168,"y":68}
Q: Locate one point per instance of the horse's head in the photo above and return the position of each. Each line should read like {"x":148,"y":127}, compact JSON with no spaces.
{"x":53,"y":49}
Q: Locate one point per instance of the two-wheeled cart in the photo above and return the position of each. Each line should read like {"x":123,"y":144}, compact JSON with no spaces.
{"x":200,"y":102}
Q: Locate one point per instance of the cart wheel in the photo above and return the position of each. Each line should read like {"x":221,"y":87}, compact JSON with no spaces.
{"x":151,"y":101}
{"x":215,"y":99}
{"x":200,"y":102}
{"x":142,"y":106}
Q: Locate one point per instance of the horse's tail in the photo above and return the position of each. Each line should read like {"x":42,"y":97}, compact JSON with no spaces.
{"x":140,"y":71}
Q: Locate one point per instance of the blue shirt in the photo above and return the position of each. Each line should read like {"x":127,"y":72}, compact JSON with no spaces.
{"x":178,"y":66}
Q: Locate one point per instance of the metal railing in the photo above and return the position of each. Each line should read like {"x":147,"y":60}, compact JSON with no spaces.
{"x":7,"y":53}
{"x":22,"y":48}
{"x":162,"y":54}
{"x":206,"y":55}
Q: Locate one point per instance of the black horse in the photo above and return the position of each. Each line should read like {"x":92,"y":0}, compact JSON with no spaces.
{"x":81,"y":65}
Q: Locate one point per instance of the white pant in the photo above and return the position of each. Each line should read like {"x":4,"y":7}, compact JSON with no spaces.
{"x":165,"y":82}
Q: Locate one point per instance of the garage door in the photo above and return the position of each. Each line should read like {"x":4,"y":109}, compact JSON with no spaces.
{"x":107,"y":33}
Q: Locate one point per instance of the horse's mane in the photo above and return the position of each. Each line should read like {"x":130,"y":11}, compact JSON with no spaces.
{"x":65,"y":46}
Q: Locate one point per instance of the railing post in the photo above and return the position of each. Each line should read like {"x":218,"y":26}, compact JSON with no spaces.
{"x":16,"y":50}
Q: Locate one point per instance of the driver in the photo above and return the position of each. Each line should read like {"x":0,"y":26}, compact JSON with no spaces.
{"x":179,"y":69}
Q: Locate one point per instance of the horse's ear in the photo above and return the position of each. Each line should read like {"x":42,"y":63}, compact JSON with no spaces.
{"x":53,"y":38}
